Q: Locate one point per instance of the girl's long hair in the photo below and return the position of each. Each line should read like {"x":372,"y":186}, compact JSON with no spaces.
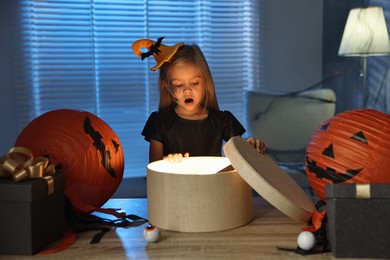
{"x":188,"y":54}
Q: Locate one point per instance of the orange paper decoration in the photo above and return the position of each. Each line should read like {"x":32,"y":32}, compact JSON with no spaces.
{"x":85,"y":148}
{"x":351,"y":147}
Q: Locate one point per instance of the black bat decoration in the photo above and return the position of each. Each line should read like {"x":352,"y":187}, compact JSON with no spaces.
{"x":100,"y":146}
{"x":153,"y":49}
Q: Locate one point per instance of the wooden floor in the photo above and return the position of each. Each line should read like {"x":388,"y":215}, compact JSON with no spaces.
{"x":257,"y":240}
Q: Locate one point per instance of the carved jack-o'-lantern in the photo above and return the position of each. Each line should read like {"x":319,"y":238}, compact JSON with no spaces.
{"x":351,"y":147}
{"x":85,"y":148}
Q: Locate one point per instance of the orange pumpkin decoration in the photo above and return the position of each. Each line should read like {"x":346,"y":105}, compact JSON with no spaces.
{"x":85,"y":148}
{"x":351,"y":147}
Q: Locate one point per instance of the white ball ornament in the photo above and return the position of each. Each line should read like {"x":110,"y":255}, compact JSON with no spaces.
{"x":151,"y":234}
{"x":306,"y":240}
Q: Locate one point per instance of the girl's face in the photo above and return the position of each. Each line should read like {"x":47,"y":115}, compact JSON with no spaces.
{"x":185,"y":84}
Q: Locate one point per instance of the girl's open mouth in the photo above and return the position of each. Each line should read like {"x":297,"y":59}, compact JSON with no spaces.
{"x":188,"y":100}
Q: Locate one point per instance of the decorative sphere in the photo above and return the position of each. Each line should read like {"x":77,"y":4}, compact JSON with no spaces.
{"x":84,"y":148}
{"x":351,"y":147}
{"x":151,"y":234}
{"x":306,"y":240}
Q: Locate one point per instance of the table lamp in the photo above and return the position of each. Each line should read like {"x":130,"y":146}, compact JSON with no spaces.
{"x":365,"y":34}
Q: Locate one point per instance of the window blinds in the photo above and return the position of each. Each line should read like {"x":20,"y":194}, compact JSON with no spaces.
{"x":77,"y":54}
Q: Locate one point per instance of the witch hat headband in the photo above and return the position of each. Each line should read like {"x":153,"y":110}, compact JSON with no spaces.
{"x":161,"y":53}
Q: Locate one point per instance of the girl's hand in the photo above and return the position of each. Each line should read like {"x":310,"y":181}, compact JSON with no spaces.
{"x":175,"y":157}
{"x":257,"y":144}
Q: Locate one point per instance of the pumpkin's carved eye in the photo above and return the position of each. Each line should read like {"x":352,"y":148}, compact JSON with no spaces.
{"x":328,"y":151}
{"x":325,"y":127}
{"x":359,"y":136}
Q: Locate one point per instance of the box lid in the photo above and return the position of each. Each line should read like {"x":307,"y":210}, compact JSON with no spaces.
{"x":29,"y":190}
{"x":356,"y":191}
{"x":269,"y":180}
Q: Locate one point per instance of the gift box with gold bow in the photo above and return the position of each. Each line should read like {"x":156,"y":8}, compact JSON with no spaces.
{"x":31,"y":203}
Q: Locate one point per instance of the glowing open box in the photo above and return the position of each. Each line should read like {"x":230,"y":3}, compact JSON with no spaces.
{"x":189,"y":197}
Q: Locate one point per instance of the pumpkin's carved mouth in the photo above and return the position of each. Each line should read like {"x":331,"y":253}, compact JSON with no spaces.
{"x":330,"y":173}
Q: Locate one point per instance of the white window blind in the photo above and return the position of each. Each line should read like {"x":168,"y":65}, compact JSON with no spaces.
{"x":77,"y":54}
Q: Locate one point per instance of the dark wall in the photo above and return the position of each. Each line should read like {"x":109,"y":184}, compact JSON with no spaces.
{"x":7,"y":89}
{"x":343,"y":72}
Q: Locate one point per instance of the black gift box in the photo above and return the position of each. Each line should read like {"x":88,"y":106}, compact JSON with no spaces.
{"x":358,"y":220}
{"x":30,"y":219}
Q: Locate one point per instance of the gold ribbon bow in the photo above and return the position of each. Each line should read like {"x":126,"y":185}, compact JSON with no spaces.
{"x":20,"y":164}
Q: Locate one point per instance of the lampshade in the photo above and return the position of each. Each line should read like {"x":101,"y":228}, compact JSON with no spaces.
{"x":365,"y":33}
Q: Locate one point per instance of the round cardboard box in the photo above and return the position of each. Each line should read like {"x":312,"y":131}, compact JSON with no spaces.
{"x":195,"y":196}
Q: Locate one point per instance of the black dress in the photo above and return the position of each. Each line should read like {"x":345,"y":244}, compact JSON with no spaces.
{"x":197,"y":137}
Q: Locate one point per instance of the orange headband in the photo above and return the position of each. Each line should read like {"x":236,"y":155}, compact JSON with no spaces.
{"x":161,"y":53}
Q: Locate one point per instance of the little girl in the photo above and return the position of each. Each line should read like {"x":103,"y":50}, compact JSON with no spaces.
{"x":188,"y":121}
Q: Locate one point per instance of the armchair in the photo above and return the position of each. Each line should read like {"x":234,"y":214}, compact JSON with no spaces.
{"x":286,"y":122}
